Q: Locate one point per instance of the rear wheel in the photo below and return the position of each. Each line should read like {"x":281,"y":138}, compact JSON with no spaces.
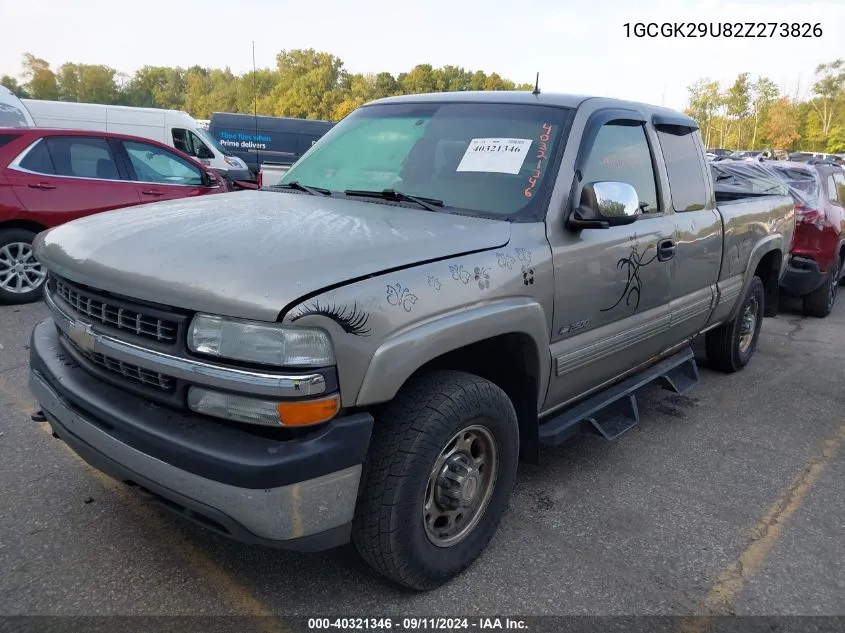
{"x":730,"y":346}
{"x":819,"y":303}
{"x":21,"y":275}
{"x":438,"y":478}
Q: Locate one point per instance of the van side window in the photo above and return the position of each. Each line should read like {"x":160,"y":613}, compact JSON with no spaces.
{"x":200,"y":149}
{"x":81,"y":157}
{"x":683,"y":166}
{"x":154,"y":164}
{"x":621,"y":154}
{"x":181,"y":142}
{"x":832,"y":193}
{"x":38,"y":160}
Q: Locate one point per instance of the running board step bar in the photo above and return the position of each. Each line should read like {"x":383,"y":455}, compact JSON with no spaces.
{"x":614,"y":411}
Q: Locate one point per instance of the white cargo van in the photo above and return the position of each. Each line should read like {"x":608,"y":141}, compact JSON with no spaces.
{"x":171,"y":127}
{"x":13,"y":113}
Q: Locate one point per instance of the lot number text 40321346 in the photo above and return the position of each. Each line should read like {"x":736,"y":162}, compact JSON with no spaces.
{"x":722,"y":29}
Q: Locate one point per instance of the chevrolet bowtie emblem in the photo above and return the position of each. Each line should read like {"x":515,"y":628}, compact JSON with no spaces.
{"x":82,"y":335}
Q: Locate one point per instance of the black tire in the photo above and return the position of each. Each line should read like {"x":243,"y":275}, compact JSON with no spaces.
{"x":390,"y":528}
{"x":820,"y":302}
{"x":10,"y":239}
{"x":727,"y":348}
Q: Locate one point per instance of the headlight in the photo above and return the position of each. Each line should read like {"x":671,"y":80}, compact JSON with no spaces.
{"x":259,"y":342}
{"x":233,"y":161}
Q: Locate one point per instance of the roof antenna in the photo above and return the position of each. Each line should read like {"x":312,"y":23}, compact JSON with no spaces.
{"x":536,"y":90}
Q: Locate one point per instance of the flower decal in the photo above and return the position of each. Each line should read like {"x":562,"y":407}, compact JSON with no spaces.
{"x":459,"y":273}
{"x":398,"y":295}
{"x":482,"y":277}
{"x":528,"y":275}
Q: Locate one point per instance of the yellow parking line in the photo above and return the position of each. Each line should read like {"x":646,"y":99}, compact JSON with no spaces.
{"x":765,"y":534}
{"x":240,"y":597}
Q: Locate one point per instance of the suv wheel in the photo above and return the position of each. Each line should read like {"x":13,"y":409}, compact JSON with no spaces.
{"x":21,"y":275}
{"x":819,"y":303}
{"x":437,"y":479}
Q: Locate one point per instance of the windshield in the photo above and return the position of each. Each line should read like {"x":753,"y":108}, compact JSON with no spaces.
{"x":209,"y":139}
{"x":491,"y":159}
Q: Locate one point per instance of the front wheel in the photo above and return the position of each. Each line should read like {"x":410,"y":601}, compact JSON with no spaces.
{"x":438,"y":478}
{"x":21,"y":275}
{"x":730,"y":346}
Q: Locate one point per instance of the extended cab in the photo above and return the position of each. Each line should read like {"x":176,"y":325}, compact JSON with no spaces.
{"x":442,"y":284}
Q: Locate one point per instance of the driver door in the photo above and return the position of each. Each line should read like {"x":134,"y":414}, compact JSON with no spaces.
{"x":612,"y":290}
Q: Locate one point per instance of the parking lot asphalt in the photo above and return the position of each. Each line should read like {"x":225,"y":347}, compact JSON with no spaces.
{"x":727,"y":500}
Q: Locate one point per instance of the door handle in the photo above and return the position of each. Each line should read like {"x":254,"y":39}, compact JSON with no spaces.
{"x":41,"y":185}
{"x":152,"y":192}
{"x":665,"y":250}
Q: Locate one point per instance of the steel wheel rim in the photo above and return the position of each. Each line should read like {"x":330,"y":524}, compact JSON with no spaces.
{"x":748,"y":324}
{"x":20,"y":271}
{"x":460,"y":485}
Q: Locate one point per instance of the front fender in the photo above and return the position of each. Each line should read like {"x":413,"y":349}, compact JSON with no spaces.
{"x":400,"y":355}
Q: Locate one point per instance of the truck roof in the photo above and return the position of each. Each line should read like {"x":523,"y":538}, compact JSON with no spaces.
{"x":557,"y":99}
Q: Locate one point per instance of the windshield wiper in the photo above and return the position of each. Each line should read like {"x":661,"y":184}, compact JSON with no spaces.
{"x":298,"y":186}
{"x":391,"y":194}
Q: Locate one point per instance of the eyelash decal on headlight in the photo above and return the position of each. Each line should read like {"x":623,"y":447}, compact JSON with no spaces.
{"x":352,"y":319}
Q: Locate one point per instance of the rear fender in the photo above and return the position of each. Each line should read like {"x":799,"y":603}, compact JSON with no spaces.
{"x":763,"y":248}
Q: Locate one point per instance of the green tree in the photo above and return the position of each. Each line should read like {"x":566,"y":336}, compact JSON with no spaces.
{"x":307,"y":84}
{"x":704,"y":104}
{"x":783,"y":124}
{"x":40,"y":79}
{"x":827,"y":92}
{"x":763,"y":93}
{"x":738,"y":105}
{"x":12,"y":84}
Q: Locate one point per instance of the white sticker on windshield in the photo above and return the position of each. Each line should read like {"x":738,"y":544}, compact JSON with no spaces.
{"x":495,"y":155}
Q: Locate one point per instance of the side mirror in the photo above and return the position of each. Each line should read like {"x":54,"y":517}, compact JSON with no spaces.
{"x":204,"y":153}
{"x":606,"y":204}
{"x":208,"y":179}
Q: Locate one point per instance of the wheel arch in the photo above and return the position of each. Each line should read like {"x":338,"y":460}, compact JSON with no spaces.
{"x":505,"y":342}
{"x":767,"y":259}
{"x":27,"y":225}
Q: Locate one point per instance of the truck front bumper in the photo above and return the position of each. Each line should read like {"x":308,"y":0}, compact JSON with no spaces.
{"x":297,"y":494}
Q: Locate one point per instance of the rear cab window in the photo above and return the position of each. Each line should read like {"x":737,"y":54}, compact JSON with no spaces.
{"x":490,"y":159}
{"x":687,"y":186}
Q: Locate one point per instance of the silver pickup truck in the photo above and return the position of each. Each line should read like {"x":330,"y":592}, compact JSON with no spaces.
{"x":438,"y":287}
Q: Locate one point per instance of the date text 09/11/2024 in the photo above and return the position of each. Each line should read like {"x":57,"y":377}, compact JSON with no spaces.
{"x":416,"y":624}
{"x":723,"y":29}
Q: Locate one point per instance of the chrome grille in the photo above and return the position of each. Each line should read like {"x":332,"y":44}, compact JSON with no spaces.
{"x":121,"y":318}
{"x":142,"y":376}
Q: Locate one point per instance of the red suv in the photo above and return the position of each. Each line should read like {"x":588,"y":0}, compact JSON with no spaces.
{"x":818,"y":250}
{"x":49,"y":177}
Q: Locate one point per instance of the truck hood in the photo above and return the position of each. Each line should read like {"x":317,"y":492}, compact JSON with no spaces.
{"x":249,"y":254}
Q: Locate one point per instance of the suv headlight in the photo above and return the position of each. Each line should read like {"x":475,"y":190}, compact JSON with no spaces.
{"x":259,"y":342}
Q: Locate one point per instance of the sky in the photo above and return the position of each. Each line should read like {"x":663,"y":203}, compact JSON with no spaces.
{"x":577,"y":47}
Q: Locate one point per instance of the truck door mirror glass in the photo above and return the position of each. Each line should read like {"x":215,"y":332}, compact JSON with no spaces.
{"x":606,"y":204}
